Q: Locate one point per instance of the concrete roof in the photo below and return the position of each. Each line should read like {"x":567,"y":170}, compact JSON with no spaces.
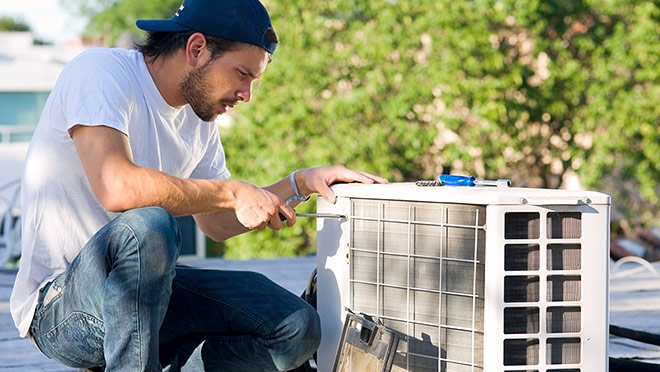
{"x":19,"y":354}
{"x":634,"y":289}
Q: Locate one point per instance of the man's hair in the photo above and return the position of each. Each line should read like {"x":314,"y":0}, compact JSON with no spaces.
{"x":165,"y":43}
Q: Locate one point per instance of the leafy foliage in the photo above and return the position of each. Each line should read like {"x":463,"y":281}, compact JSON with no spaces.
{"x":535,"y":91}
{"x":111,"y":18}
{"x":13,"y":24}
{"x":341,"y":89}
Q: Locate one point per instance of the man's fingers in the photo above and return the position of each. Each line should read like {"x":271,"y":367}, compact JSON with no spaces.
{"x":327,"y":193}
{"x":377,"y":179}
{"x":274,"y":223}
{"x":287,"y":214}
{"x":342,"y":174}
{"x":364,"y":177}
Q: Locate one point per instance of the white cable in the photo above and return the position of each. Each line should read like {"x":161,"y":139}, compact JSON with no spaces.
{"x":633,"y":259}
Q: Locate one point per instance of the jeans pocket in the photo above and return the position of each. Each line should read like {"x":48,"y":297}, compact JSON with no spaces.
{"x":78,"y":341}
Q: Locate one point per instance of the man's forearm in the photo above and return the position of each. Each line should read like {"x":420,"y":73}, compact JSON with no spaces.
{"x":147,"y":187}
{"x":219,"y":226}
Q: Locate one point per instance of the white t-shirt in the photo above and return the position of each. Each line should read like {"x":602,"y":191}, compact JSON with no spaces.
{"x":110,"y":87}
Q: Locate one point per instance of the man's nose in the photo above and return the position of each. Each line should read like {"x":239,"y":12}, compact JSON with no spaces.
{"x":245,"y":93}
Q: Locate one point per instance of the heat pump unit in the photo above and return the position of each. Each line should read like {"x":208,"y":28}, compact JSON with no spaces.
{"x":491,"y":279}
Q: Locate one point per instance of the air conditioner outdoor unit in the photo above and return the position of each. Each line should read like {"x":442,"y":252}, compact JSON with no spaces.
{"x":489,"y":279}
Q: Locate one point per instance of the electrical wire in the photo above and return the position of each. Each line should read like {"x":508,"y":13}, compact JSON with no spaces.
{"x":629,"y":365}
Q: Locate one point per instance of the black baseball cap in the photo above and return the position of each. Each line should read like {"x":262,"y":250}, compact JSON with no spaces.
{"x":239,"y":20}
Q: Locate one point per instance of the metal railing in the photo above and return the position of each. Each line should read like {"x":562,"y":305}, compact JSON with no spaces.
{"x":10,"y":222}
{"x":16,"y":132}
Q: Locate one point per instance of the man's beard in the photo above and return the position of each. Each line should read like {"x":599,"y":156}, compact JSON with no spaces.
{"x":194,"y":89}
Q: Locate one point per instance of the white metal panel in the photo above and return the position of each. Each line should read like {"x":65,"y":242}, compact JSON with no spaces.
{"x":483,"y":195}
{"x":332,"y":278}
{"x":493,"y":291}
{"x":594,"y":301}
{"x":596,"y":248}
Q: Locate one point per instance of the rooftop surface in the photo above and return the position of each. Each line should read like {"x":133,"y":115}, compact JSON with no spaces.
{"x":20,"y":355}
{"x":634,"y":303}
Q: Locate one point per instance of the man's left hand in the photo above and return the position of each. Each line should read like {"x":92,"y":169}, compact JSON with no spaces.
{"x":311,"y":180}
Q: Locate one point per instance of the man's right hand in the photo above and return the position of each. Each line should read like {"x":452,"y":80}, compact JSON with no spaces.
{"x":257,"y":208}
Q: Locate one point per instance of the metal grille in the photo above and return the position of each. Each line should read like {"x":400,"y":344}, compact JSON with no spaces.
{"x":543,"y":329}
{"x":419,"y":267}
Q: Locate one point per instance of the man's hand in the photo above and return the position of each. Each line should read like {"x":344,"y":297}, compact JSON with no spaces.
{"x":257,"y":208}
{"x":311,"y":180}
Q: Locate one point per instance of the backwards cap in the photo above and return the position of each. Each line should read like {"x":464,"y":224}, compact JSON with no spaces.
{"x":239,"y":20}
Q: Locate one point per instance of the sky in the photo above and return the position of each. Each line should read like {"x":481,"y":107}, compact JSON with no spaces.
{"x":47,"y":18}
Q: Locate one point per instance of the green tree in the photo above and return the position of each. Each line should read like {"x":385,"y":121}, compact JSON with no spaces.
{"x":13,"y":24}
{"x":530,"y":90}
{"x":342,"y":88}
{"x":111,"y":18}
{"x":550,"y":87}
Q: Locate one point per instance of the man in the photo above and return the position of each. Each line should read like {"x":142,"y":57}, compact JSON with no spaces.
{"x":125,"y":142}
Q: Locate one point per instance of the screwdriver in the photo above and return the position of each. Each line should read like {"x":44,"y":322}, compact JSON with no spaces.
{"x":316,"y":215}
{"x":456,"y":180}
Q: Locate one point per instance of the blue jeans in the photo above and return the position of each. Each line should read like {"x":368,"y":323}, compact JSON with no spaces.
{"x":124,"y":305}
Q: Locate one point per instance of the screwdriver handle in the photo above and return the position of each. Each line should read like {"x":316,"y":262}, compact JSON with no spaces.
{"x":456,"y":180}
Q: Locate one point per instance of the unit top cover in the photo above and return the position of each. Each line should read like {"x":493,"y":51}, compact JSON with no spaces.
{"x":486,"y":195}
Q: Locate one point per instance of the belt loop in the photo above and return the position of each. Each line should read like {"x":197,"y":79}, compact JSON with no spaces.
{"x":50,"y":291}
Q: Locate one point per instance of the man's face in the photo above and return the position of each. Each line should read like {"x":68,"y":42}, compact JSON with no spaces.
{"x":219,"y":84}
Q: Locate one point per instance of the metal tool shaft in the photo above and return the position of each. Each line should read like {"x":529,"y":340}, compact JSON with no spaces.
{"x":321,"y":215}
{"x":317,"y":215}
{"x":499,"y":183}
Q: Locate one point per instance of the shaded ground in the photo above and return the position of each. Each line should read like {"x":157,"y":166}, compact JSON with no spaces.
{"x":20,"y":355}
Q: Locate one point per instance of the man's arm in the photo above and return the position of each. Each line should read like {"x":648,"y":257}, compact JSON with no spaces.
{"x":308,"y":180}
{"x":318,"y":180}
{"x":119,"y":184}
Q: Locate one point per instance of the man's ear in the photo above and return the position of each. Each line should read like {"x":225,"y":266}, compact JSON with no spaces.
{"x":196,"y":51}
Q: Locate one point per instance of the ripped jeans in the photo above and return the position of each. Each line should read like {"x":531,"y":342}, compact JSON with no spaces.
{"x":124,"y":305}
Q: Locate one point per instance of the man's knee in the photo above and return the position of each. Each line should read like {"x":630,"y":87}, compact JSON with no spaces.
{"x":312,"y":338}
{"x":149,"y":219}
{"x":157,"y":234}
{"x":305,"y":337}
